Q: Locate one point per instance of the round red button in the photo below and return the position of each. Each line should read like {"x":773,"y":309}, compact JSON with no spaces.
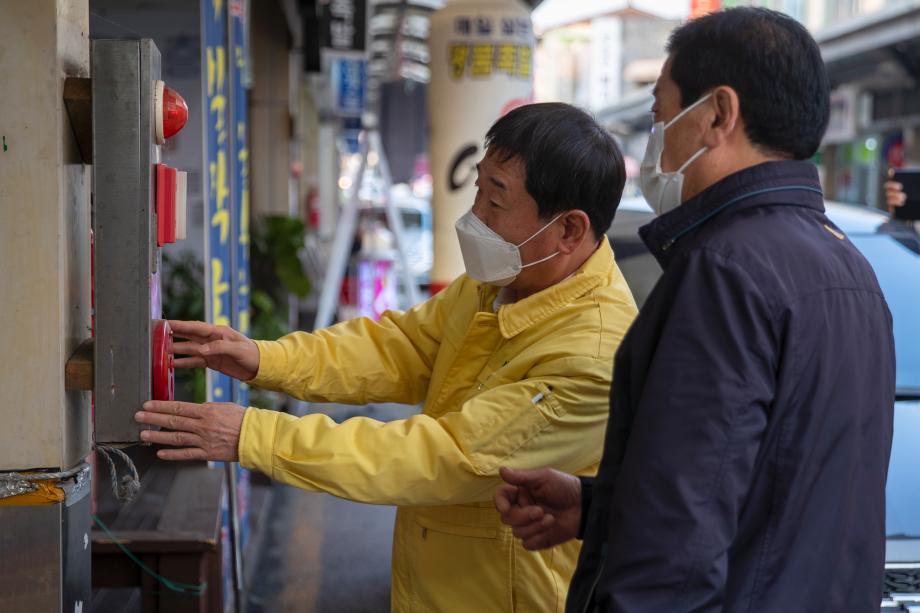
{"x":164,"y":375}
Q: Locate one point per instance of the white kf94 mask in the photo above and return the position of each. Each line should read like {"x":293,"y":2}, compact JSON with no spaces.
{"x":663,"y":190}
{"x":488,"y":257}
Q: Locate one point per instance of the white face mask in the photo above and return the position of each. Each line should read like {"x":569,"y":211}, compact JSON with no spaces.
{"x":662,"y":190}
{"x":487,"y":256}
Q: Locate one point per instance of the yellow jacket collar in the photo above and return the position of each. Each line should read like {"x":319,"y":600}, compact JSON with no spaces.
{"x":517,"y":317}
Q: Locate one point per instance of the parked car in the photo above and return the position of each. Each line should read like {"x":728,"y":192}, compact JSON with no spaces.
{"x":893,"y":250}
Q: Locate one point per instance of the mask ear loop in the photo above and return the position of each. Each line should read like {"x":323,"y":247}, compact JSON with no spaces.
{"x":703,"y":150}
{"x":687,"y":110}
{"x":692,"y":159}
{"x":537,"y":233}
{"x":549,"y":257}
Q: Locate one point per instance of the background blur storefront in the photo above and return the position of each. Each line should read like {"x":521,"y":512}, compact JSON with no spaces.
{"x":872,"y":52}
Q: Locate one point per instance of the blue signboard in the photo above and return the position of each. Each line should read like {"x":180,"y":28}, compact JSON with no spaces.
{"x":349,"y":79}
{"x":216,"y":174}
{"x":219,"y":218}
{"x":239,"y":146}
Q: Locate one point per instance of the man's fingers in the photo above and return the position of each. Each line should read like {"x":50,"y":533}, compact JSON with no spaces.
{"x":538,"y":542}
{"x":213,"y":348}
{"x":521,"y":477}
{"x":522,"y":516}
{"x":505,"y":496}
{"x":192,"y":330}
{"x":164,"y":420}
{"x":228,"y":348}
{"x":185,"y":348}
{"x":175,"y":407}
{"x":173,"y":439}
{"x":190,"y":453}
{"x":534,"y":528}
{"x":894,"y":194}
{"x":525,"y":498}
{"x":189,"y":363}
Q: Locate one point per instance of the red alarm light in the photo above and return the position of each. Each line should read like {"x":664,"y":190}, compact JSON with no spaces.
{"x":170,"y":112}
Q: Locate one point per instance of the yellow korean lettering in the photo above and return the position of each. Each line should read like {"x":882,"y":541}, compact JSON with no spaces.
{"x":459,"y":56}
{"x":482,"y":60}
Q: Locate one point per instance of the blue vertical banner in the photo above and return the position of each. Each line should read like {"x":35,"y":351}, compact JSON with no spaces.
{"x":239,"y":147}
{"x":219,"y":220}
{"x":218,"y":204}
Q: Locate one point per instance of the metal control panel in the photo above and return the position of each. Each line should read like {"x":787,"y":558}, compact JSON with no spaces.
{"x":131,"y":359}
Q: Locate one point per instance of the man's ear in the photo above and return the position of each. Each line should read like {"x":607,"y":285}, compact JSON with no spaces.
{"x":726,"y":116}
{"x":576,"y":227}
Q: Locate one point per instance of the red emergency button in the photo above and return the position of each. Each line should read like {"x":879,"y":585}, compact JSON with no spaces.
{"x":166,"y":204}
{"x":170,"y":112}
{"x":164,"y":374}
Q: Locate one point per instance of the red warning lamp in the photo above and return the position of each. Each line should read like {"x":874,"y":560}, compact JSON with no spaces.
{"x":170,"y":112}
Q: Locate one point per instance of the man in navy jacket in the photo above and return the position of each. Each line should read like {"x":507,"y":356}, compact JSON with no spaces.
{"x":751,"y":410}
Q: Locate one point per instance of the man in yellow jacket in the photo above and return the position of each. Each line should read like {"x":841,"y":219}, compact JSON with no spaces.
{"x":512,"y":363}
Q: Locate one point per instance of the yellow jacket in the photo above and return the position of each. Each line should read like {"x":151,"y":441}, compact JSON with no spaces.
{"x":525,"y":387}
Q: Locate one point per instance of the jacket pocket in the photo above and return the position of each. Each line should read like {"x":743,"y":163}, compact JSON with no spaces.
{"x":467,"y":529}
{"x":506,"y":423}
{"x":460,"y":560}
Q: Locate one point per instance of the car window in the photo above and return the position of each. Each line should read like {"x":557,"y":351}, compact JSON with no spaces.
{"x":898,"y":270}
{"x":902,"y":493}
{"x":896,"y":262}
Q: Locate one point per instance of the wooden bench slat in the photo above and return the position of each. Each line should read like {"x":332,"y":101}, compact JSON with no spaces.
{"x":190,"y":503}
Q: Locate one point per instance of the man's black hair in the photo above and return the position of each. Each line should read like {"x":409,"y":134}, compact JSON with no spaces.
{"x":570,"y":161}
{"x":772,"y":63}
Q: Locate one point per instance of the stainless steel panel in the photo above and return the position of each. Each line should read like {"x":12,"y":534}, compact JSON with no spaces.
{"x":45,"y":556}
{"x":124,"y":229}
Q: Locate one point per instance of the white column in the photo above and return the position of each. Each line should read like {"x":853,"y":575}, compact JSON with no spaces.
{"x":44,"y":235}
{"x":481,"y":68}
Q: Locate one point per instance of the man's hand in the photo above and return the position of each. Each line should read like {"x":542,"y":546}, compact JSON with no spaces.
{"x":543,"y":506}
{"x":216,"y":347}
{"x":894,"y":193}
{"x":203,"y":431}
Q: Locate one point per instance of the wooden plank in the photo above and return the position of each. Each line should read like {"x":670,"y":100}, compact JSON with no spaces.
{"x":143,"y":513}
{"x":214,"y":565}
{"x":150,"y":587}
{"x":152,"y":541}
{"x":78,"y":372}
{"x":78,"y":100}
{"x":193,"y":504}
{"x":114,"y":570}
{"x":184,"y":569}
{"x":184,"y":545}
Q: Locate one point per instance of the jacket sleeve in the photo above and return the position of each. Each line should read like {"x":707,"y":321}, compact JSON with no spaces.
{"x":360,"y":361}
{"x":693,"y":441}
{"x":587,"y":497}
{"x":555,"y":418}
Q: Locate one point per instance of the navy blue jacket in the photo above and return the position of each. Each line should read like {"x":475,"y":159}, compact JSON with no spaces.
{"x":751,"y":416}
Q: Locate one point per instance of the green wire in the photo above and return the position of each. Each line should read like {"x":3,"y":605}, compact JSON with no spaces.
{"x":182,"y":588}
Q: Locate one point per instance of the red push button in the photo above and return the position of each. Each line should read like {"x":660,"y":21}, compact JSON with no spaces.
{"x":166,"y":204}
{"x":164,"y":374}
